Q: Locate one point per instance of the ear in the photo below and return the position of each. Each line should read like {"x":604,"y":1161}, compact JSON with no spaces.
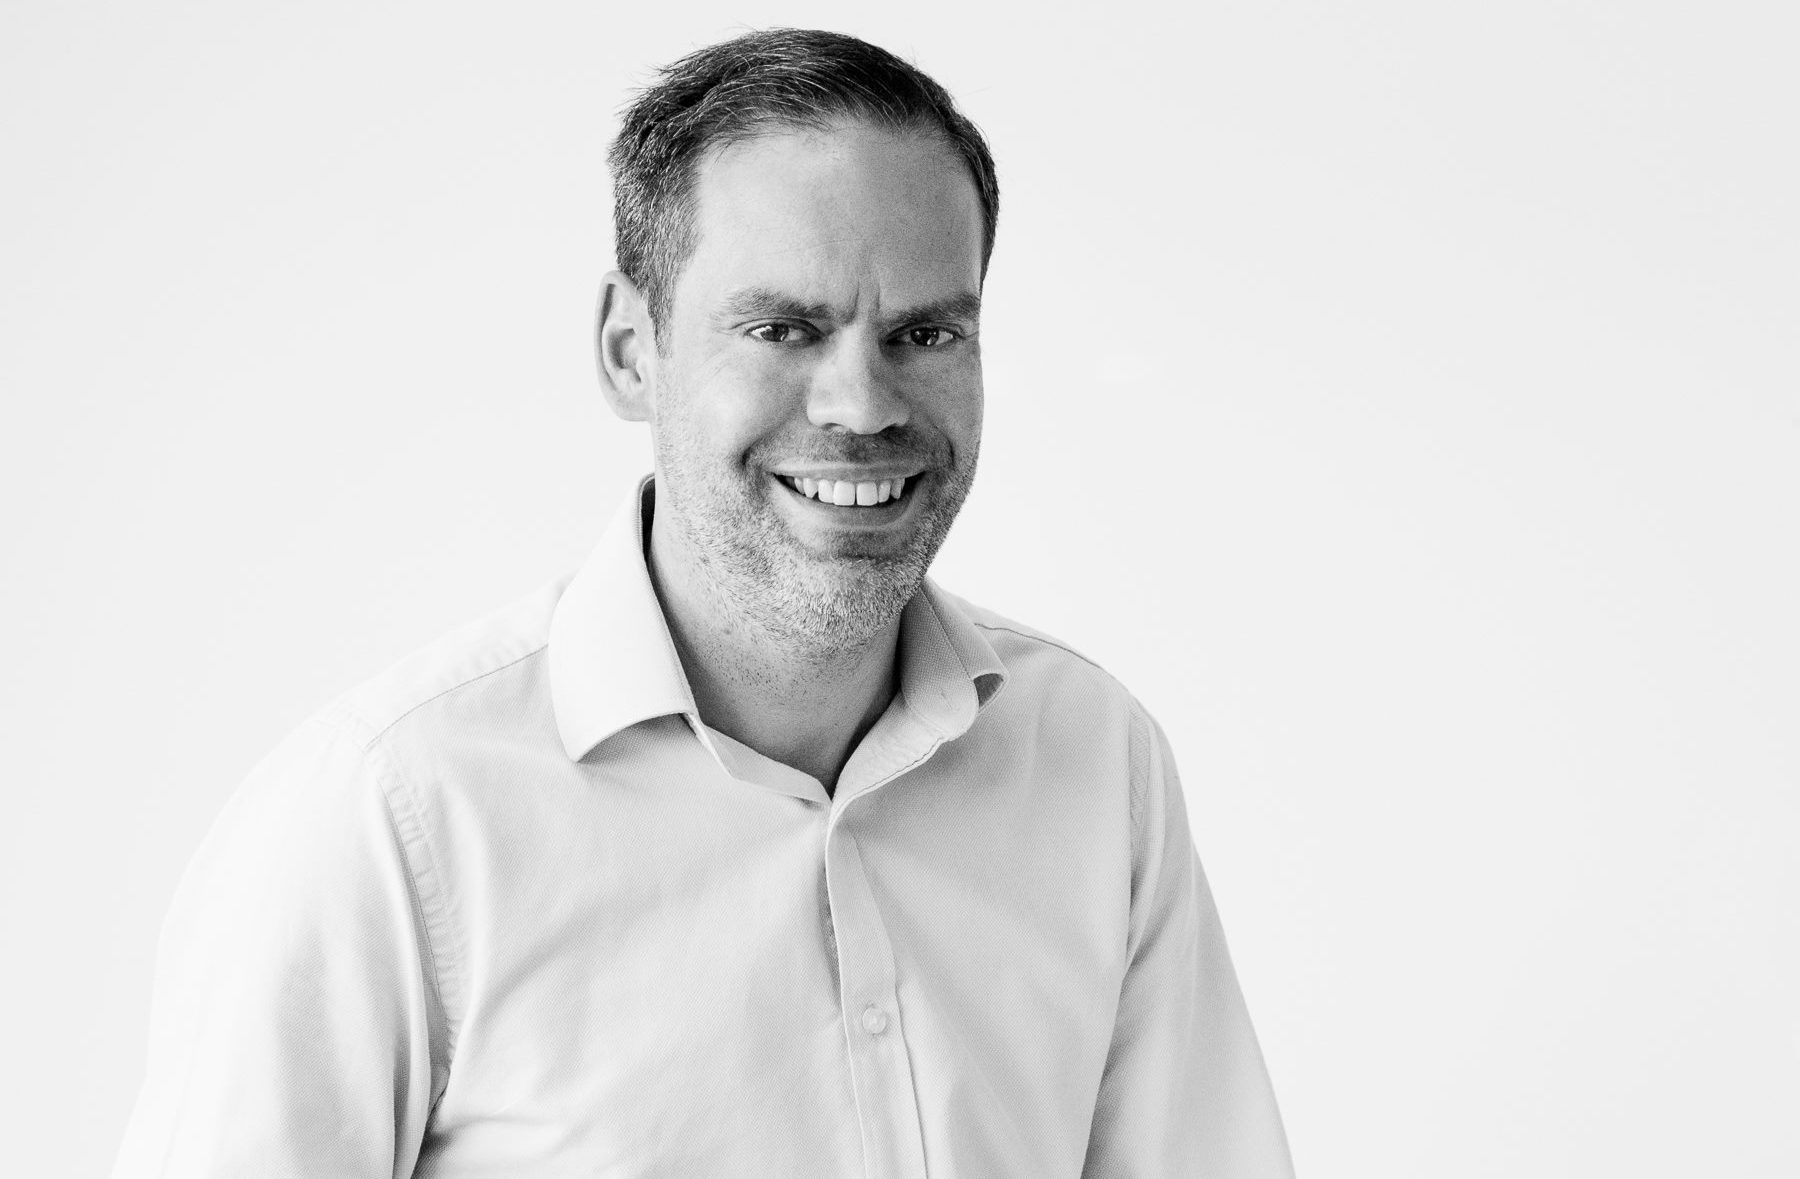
{"x":625,"y":348}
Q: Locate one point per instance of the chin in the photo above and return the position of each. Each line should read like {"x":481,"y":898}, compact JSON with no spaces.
{"x":846,"y":600}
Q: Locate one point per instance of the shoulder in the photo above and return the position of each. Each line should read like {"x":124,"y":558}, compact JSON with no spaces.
{"x":1009,"y":633}
{"x":340,"y":788}
{"x":1058,"y":698}
{"x":472,"y":672}
{"x":1038,"y":662}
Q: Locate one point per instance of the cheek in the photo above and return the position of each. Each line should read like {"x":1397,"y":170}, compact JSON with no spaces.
{"x":956,"y":407}
{"x":725,"y":408}
{"x":742,"y":410}
{"x":964,"y":429}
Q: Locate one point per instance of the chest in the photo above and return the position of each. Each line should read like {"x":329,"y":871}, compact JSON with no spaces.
{"x":698,"y":969}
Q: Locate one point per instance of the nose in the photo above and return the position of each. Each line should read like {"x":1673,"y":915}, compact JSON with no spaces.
{"x":857,"y":390}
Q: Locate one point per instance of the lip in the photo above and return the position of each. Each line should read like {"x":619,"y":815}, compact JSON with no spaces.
{"x":850,"y":474}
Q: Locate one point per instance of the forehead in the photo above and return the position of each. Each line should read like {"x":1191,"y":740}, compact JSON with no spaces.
{"x":853,"y":211}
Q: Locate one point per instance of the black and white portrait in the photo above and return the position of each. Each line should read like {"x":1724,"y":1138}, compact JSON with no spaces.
{"x":800,"y":591}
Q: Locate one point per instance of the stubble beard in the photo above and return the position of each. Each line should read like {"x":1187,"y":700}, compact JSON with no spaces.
{"x":815,"y":608}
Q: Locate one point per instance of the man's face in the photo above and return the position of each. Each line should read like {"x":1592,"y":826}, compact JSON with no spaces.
{"x":821,"y":347}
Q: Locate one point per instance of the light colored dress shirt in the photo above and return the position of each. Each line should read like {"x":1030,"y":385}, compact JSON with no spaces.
{"x":512,"y":909}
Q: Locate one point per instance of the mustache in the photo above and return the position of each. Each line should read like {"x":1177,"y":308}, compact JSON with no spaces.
{"x":896,"y":445}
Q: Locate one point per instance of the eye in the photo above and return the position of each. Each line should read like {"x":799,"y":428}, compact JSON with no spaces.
{"x":773,"y":333}
{"x":929,"y":337}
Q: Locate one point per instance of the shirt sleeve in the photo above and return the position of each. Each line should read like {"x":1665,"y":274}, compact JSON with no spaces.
{"x":295,"y":1027}
{"x":1185,"y":1091}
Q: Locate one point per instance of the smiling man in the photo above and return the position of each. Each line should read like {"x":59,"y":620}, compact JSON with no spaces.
{"x":813,"y":384}
{"x":748,"y":850}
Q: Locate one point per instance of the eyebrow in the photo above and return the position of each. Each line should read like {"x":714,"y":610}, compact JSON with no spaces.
{"x":760,"y":302}
{"x":963,"y":308}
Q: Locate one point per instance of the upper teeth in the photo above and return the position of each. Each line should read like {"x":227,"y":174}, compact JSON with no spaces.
{"x":844,"y":493}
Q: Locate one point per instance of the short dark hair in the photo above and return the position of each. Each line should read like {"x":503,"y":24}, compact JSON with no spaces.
{"x":735,"y":90}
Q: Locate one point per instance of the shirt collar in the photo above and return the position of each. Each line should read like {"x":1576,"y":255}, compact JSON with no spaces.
{"x":613,"y":662}
{"x":948,"y":669}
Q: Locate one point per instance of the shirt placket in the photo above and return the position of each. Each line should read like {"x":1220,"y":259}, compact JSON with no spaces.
{"x":874,"y":1025}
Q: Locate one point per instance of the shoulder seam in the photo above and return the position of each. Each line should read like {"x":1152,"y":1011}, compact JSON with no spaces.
{"x":1048,"y":642}
{"x":375,"y":734}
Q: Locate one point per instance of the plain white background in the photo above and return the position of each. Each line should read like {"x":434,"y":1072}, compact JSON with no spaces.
{"x":1400,"y":397}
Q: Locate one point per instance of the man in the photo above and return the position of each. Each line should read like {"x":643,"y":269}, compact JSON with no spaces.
{"x":748,"y":850}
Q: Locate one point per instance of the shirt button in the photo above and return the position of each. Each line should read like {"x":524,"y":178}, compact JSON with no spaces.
{"x":874,"y":1020}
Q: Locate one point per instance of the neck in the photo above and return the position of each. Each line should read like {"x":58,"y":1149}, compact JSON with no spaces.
{"x":805,"y":709}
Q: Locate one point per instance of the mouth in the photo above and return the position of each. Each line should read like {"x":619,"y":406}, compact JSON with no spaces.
{"x":852,"y":502}
{"x":846,"y":493}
